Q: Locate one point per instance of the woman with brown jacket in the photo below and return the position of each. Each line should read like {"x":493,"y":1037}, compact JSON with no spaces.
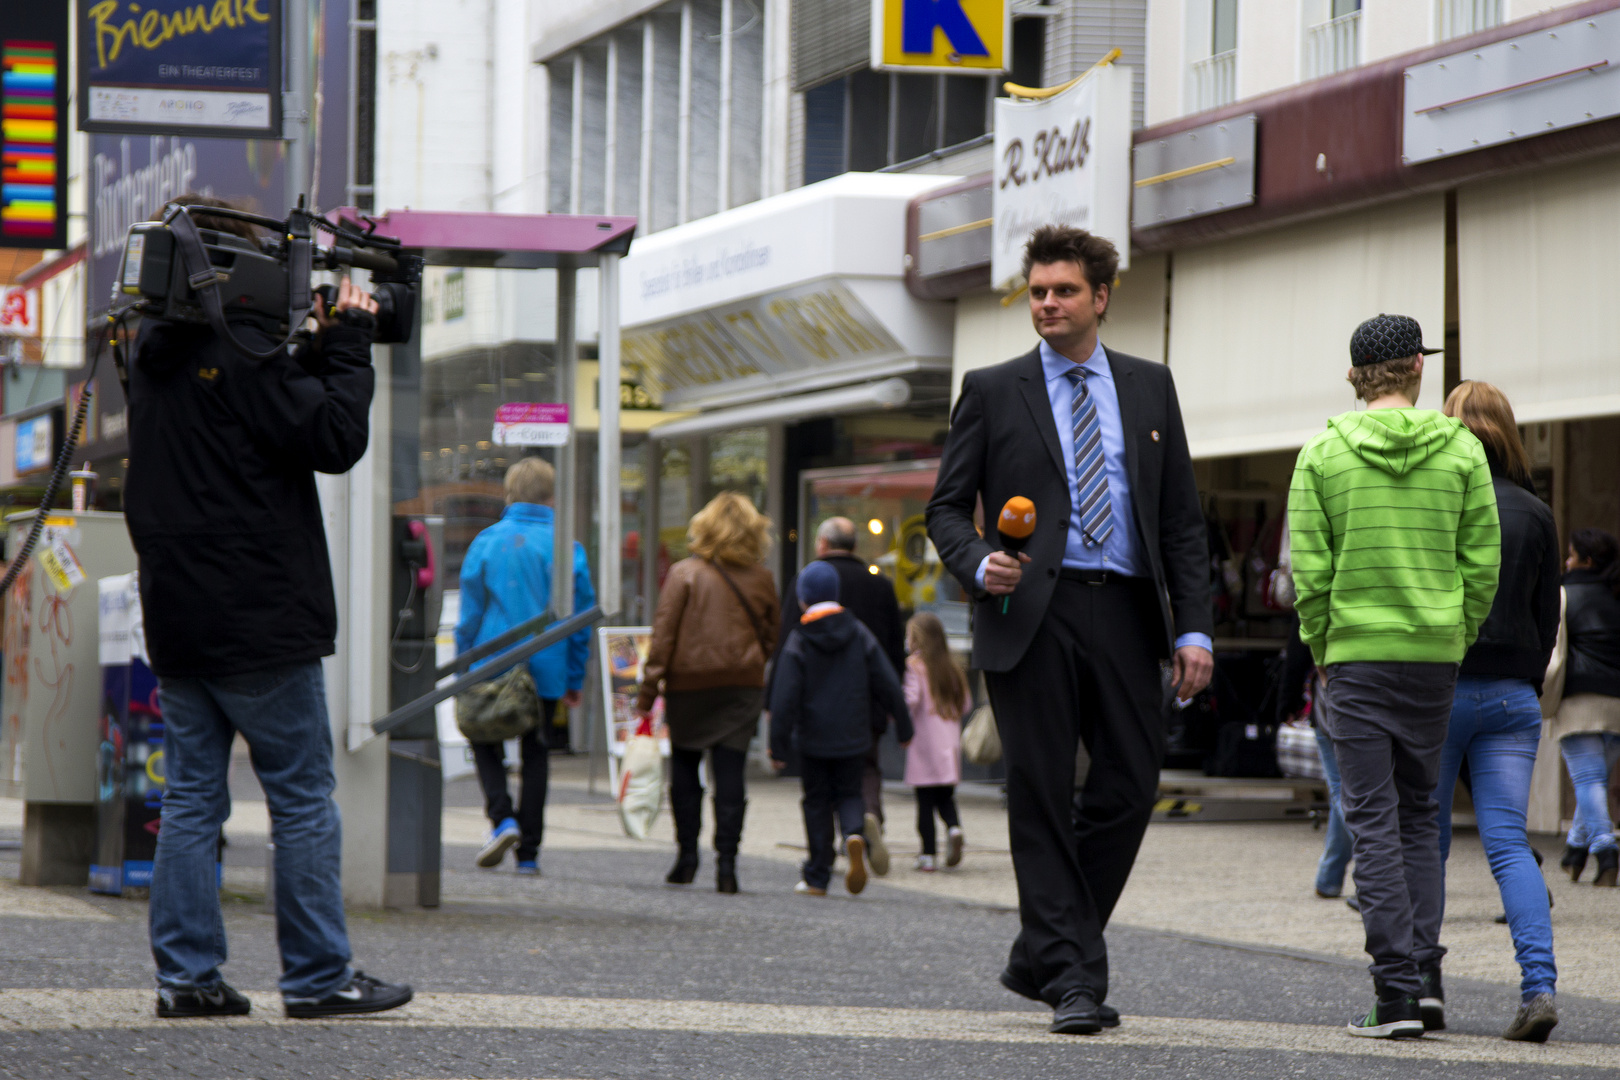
{"x":714,"y":627}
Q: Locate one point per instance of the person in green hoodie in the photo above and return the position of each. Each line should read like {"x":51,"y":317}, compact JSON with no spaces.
{"x":1395,"y":546}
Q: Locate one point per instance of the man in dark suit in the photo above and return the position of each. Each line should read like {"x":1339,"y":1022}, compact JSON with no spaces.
{"x":870,"y":598}
{"x":1113,"y":581}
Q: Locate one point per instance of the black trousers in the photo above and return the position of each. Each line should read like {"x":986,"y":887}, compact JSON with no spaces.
{"x":1091,"y":676}
{"x":726,"y":769}
{"x":490,"y":759}
{"x":872,"y":783}
{"x":831,"y":786}
{"x":935,"y":799}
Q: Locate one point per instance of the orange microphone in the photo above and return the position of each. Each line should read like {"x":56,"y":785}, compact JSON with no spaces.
{"x":1015,"y":526}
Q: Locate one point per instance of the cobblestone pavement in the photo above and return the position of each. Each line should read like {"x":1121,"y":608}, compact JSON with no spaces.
{"x":1225,"y":966}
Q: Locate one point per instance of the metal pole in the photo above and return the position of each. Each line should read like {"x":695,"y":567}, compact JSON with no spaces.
{"x":608,"y":447}
{"x":563,"y":503}
{"x":296,"y":98}
{"x":653,"y":454}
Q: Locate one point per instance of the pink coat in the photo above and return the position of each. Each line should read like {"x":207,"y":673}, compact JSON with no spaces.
{"x":935,"y":754}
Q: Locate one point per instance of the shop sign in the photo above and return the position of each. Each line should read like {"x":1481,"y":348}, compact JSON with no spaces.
{"x":817,"y":325}
{"x":941,"y":35}
{"x":1063,"y":161}
{"x":1544,"y":81}
{"x":530,"y":423}
{"x":36,"y":439}
{"x":19,"y":311}
{"x":33,"y":124}
{"x":1204,"y":170}
{"x":180,"y":67}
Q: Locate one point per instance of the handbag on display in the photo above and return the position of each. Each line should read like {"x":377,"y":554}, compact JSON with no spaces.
{"x":501,"y":708}
{"x":1552,"y":686}
{"x":981,"y":739}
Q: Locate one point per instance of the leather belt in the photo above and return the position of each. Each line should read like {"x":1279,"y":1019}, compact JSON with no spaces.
{"x":1090,"y":577}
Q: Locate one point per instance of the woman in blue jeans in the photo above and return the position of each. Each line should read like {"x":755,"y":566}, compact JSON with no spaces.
{"x":1588,"y":722}
{"x":1496,"y":715}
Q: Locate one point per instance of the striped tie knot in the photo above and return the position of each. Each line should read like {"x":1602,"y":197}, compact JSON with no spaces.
{"x":1090,"y":477}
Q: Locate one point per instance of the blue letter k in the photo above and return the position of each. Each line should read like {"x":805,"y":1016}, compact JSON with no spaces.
{"x":918,"y":18}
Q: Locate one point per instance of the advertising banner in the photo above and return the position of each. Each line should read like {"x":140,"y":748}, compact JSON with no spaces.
{"x":33,"y":124}
{"x":19,"y":311}
{"x":1063,"y":161}
{"x":941,"y":35}
{"x":530,"y":423}
{"x":173,"y":66}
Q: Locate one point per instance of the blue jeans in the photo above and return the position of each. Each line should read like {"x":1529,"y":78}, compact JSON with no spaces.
{"x":1496,"y":725}
{"x":281,"y":713}
{"x":1335,"y":859}
{"x":1588,"y":757}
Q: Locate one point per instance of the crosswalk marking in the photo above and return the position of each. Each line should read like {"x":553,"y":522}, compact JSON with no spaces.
{"x":60,"y":1010}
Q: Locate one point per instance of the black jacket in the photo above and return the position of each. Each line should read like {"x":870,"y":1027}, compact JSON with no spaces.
{"x":1003,"y":442}
{"x":832,"y":688}
{"x":220,"y":499}
{"x":1516,"y":639}
{"x":1592,"y":621}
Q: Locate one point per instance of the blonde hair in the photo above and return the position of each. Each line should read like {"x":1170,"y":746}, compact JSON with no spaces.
{"x":1486,"y":412}
{"x":946,"y":684}
{"x":530,"y":480}
{"x":1373,"y":381}
{"x":730,"y":530}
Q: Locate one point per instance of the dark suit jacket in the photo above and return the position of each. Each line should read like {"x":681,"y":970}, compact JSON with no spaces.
{"x":867,"y":596}
{"x":1003,"y":442}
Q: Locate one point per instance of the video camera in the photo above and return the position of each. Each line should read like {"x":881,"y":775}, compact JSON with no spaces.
{"x":174,"y":269}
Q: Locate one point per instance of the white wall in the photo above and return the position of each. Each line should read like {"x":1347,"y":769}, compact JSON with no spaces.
{"x":1390,"y":27}
{"x":1269,"y":36}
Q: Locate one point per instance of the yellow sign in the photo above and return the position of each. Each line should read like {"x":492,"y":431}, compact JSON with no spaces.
{"x":941,"y":35}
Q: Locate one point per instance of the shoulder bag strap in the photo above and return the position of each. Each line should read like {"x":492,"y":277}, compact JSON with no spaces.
{"x":753,"y":619}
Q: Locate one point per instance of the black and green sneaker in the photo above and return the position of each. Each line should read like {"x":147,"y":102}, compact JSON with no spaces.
{"x":1432,"y":1002}
{"x":1390,"y":1018}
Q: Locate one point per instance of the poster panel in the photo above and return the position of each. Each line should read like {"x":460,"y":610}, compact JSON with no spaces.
{"x":168,"y":67}
{"x":33,"y":124}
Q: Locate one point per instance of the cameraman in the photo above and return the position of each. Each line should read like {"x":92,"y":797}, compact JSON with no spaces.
{"x":236,"y":590}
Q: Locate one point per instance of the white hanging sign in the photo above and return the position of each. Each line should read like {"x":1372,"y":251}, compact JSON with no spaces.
{"x":1063,"y":161}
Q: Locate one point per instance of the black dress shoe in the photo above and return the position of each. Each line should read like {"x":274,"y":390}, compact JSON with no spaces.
{"x":1076,"y":1014}
{"x":684,"y":871}
{"x":1023,"y":987}
{"x":725,"y":875}
{"x":1573,"y":862}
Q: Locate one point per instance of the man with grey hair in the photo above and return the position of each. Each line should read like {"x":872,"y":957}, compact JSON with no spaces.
{"x":869,"y":596}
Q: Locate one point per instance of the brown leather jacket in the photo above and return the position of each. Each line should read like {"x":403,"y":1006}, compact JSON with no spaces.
{"x":702,"y":638}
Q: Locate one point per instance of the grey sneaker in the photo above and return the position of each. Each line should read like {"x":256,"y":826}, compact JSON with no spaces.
{"x":1535,"y":1021}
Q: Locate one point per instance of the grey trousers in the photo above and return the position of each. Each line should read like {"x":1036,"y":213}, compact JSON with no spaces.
{"x":1387,"y":723}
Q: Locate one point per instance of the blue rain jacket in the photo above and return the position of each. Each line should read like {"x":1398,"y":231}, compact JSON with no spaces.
{"x":506,"y":580}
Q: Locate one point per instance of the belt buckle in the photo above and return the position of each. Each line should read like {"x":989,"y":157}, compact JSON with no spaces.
{"x":1100,"y":579}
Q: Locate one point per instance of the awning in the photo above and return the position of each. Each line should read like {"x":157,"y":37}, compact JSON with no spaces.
{"x":888,"y":394}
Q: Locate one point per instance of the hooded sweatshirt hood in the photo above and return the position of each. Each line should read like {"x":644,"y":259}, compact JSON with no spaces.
{"x":1395,"y":441}
{"x":831,"y":632}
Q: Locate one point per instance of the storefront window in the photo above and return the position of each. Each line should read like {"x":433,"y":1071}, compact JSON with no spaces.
{"x":740,"y":461}
{"x":674,"y":502}
{"x":887,"y":503}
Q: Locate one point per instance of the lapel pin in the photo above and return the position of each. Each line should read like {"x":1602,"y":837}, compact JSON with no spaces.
{"x":1154,"y":435}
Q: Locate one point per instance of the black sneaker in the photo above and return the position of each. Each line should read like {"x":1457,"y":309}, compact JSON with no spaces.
{"x":1395,"y":1018}
{"x":363,"y":994}
{"x":1432,"y":1002}
{"x":216,"y":1000}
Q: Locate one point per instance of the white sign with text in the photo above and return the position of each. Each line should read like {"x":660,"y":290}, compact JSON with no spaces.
{"x":1063,"y":161}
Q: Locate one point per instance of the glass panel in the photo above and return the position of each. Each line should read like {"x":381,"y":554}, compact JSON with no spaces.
{"x":916,"y":115}
{"x":674,"y":505}
{"x":740,"y":461}
{"x":964,"y":108}
{"x":886,"y":503}
{"x":1345,"y":7}
{"x":824,"y":131}
{"x":1225,"y":26}
{"x":868,"y":121}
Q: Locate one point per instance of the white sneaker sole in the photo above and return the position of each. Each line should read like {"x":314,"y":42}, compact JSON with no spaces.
{"x":496,"y":849}
{"x":1398,"y":1029}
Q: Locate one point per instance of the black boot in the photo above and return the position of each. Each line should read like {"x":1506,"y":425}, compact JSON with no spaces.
{"x":685,"y":869}
{"x":1608,"y":868}
{"x":725,"y":873}
{"x":1574,"y":862}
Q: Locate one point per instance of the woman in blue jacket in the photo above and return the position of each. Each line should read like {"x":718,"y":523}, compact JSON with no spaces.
{"x":505,"y":581}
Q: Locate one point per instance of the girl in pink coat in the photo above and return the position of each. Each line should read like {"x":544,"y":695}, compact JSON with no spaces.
{"x":936,"y":694}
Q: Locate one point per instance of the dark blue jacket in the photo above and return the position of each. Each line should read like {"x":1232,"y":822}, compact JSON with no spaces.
{"x":828,"y":677}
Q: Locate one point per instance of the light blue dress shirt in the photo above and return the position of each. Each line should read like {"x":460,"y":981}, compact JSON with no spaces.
{"x":1119,"y":553}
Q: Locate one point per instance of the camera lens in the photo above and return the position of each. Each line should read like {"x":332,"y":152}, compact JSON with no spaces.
{"x":396,"y":312}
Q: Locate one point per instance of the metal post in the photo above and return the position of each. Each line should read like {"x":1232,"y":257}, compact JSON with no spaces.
{"x":562,"y":569}
{"x":650,"y":540}
{"x":608,"y":449}
{"x":297,"y":98}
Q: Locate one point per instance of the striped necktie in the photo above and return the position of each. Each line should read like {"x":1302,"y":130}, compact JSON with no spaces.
{"x":1090,"y":478}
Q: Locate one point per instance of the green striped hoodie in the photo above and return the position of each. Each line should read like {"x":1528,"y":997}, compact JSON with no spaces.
{"x":1395,"y":540}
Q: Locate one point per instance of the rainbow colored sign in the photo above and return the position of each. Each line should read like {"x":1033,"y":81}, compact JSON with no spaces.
{"x":30,"y":159}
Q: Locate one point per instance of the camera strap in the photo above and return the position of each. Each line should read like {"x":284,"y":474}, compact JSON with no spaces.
{"x":205,"y":278}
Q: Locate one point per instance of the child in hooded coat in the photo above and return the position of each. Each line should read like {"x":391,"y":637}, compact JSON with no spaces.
{"x":828,"y":676}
